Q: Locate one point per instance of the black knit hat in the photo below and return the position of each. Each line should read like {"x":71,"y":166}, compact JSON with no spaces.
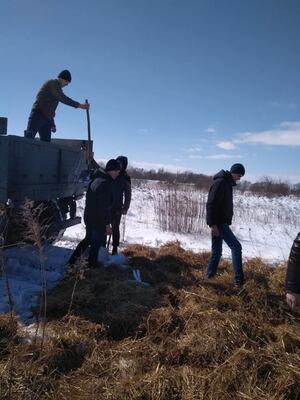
{"x":66,"y":75}
{"x":238,"y":169}
{"x":112,"y":165}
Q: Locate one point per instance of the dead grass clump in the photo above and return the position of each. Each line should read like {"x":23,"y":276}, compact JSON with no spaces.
{"x":181,"y":338}
{"x":139,"y":250}
{"x":190,"y":258}
{"x":77,"y":328}
{"x":171,"y":264}
{"x":289,"y":338}
{"x":249,"y":374}
{"x":21,"y":374}
{"x":8,"y":331}
{"x":256,"y":270}
{"x":127,"y":306}
{"x":106,"y":298}
{"x":161,"y":323}
{"x":63,"y":355}
{"x":277,"y":279}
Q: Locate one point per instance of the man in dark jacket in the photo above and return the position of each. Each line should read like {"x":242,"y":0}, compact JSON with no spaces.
{"x":292,"y":281}
{"x":41,"y":118}
{"x":122,"y":197}
{"x":97,"y":215}
{"x":219,"y":213}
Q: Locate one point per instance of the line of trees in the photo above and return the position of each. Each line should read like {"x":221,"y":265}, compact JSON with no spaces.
{"x":266,"y":186}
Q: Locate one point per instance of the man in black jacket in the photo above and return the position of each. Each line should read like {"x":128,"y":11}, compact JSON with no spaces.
{"x":292,"y":281}
{"x":122,"y":197}
{"x":97,"y":216}
{"x":41,"y":118}
{"x":219,"y":213}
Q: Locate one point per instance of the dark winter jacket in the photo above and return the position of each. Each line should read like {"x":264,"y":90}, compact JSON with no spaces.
{"x":98,"y":201}
{"x":292,"y":282}
{"x":219,"y":206}
{"x":48,"y":97}
{"x":121,"y":192}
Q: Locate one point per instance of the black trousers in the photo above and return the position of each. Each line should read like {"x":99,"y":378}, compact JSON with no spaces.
{"x":38,"y":123}
{"x":116,"y":220}
{"x":95,"y":238}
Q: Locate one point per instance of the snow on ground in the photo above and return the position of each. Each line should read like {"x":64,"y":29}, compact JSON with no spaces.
{"x":266,"y":228}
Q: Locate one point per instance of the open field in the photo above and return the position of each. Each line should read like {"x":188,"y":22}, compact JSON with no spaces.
{"x":180,"y":338}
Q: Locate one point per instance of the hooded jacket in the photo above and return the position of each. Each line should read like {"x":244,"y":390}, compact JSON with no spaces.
{"x":98,"y":201}
{"x":219,"y":206}
{"x":292,"y":281}
{"x":122,"y":188}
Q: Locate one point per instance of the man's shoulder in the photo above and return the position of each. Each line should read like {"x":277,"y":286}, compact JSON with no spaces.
{"x":51,"y":83}
{"x":99,"y":183}
{"x":220,"y":181}
{"x":122,"y":179}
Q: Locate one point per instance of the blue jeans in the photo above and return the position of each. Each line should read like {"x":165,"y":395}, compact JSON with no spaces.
{"x":229,"y":238}
{"x":37,"y":122}
{"x":98,"y":239}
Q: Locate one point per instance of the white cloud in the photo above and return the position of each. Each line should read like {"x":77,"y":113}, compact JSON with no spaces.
{"x":222,"y":156}
{"x":193,"y":149}
{"x":210,"y":129}
{"x":143,"y":130}
{"x":286,"y":134}
{"x":286,"y":106}
{"x":226,"y":145}
{"x":195,"y":156}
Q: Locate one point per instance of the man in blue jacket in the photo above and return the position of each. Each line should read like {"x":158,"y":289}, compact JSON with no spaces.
{"x":219,"y":213}
{"x":41,"y":118}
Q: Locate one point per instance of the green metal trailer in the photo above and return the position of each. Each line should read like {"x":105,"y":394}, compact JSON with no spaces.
{"x":42,"y":172}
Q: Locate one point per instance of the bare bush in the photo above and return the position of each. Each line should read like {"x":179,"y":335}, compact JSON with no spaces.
{"x":266,"y":211}
{"x":199,"y":180}
{"x":270,"y":187}
{"x":180,"y":208}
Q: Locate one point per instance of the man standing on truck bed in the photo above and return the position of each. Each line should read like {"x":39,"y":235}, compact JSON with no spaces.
{"x":41,"y":118}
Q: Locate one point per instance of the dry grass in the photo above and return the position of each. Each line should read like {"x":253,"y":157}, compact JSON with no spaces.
{"x":182,"y":338}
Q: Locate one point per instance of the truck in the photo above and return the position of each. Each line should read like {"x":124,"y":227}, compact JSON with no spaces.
{"x":47,"y":176}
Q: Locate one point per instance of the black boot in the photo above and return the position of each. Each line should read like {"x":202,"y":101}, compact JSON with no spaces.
{"x":114,"y":250}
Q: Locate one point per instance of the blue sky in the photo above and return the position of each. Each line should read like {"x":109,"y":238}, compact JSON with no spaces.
{"x":189,"y":85}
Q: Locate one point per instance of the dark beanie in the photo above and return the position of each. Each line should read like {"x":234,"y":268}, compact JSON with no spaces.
{"x":238,"y":169}
{"x":66,"y":75}
{"x":112,"y":165}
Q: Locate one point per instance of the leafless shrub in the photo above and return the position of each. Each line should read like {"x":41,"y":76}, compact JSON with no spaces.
{"x":200,"y":181}
{"x":34,"y":229}
{"x":180,"y":208}
{"x":263,"y":210}
{"x":271,"y":187}
{"x":295,"y":189}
